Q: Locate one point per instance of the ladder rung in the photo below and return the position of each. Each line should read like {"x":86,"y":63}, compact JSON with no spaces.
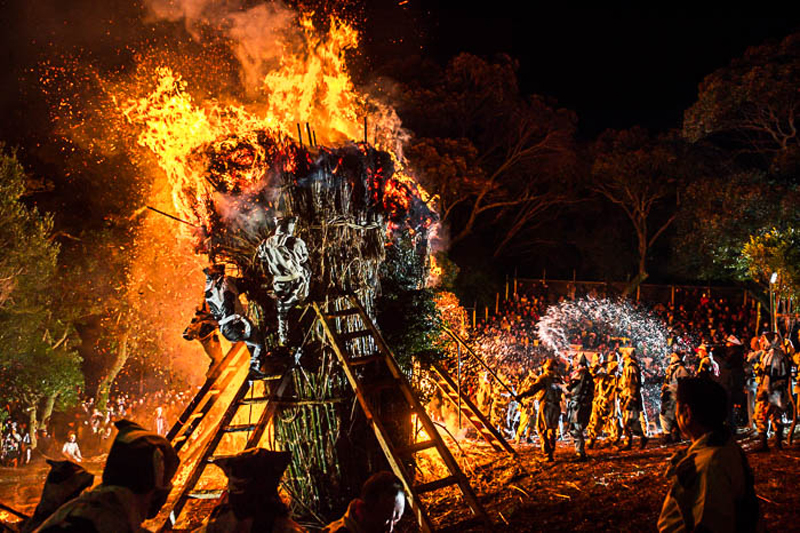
{"x":357,"y":361}
{"x":215,"y":494}
{"x":436,"y":485}
{"x":416,"y":447}
{"x":240,"y":427}
{"x":355,"y":335}
{"x":378,"y":386}
{"x":256,"y":400}
{"x":343,"y":312}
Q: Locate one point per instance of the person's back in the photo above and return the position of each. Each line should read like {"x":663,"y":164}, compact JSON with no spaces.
{"x":712,"y":484}
{"x":136,"y":481}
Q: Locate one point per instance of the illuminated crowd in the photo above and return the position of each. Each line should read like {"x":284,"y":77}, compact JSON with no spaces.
{"x":91,"y":425}
{"x":698,"y":326}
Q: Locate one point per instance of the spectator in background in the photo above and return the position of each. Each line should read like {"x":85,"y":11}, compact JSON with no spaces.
{"x":161,"y":421}
{"x":71,"y":450}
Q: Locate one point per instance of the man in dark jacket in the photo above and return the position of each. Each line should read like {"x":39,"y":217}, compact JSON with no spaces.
{"x":580,"y":393}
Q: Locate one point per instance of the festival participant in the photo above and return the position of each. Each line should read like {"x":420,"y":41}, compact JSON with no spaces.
{"x":286,"y":258}
{"x":378,"y":510}
{"x":136,"y":482}
{"x":676,"y":370}
{"x":580,"y":393}
{"x":203,"y":328}
{"x":600,"y":404}
{"x":612,"y":427}
{"x":222,"y":298}
{"x":772,"y":396}
{"x":527,"y":412}
{"x":501,"y":400}
{"x":546,"y":390}
{"x":252,"y":502}
{"x":631,"y":404}
{"x":712,"y":484}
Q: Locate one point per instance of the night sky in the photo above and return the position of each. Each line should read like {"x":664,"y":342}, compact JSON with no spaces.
{"x":615,"y":67}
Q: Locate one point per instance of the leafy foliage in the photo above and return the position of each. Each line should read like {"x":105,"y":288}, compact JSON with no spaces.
{"x":776,"y":251}
{"x":407,"y":312}
{"x":752,"y":105}
{"x":37,"y":359}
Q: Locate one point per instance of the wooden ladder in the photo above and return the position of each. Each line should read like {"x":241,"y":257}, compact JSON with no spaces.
{"x":470,"y":411}
{"x":330,"y":323}
{"x":197,"y":451}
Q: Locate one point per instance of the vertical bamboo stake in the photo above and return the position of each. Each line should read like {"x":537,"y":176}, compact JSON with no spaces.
{"x":515,"y":285}
{"x":672,"y":295}
{"x":365,"y":130}
{"x":310,"y":140}
{"x":458,"y":354}
{"x":474,"y":314}
{"x":638,"y":288}
{"x":506,"y":288}
{"x":299,"y":135}
{"x":486,"y":313}
{"x":758,"y":318}
{"x":497,"y":303}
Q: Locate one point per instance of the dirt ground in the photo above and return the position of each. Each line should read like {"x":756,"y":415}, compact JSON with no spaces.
{"x":614,"y":490}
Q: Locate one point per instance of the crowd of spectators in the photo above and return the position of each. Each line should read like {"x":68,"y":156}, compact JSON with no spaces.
{"x":88,"y":427}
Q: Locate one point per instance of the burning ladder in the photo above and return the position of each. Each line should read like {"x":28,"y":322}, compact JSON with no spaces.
{"x":384,"y":357}
{"x":197,"y":445}
{"x":470,"y":411}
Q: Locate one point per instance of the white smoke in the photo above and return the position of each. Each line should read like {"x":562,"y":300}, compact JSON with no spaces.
{"x":256,"y":34}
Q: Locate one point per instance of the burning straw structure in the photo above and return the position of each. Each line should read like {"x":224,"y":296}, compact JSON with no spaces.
{"x":349,"y":205}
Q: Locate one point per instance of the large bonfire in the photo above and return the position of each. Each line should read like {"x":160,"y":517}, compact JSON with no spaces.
{"x":301,"y":141}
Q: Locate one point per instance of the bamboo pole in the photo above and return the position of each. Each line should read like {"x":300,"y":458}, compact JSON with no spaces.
{"x":506,"y":288}
{"x":486,"y":313}
{"x":299,"y":135}
{"x":672,"y":295}
{"x":497,"y":303}
{"x":474,"y":314}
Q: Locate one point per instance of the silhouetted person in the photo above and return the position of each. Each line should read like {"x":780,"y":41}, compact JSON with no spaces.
{"x":136,"y":482}
{"x":378,"y":510}
{"x":712,"y":484}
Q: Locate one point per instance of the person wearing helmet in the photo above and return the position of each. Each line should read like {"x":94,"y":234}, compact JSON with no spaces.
{"x":222,"y":299}
{"x":286,"y":258}
{"x":675,"y":370}
{"x":631,"y":403}
{"x":580,"y":393}
{"x":546,"y":390}
{"x":527,"y":412}
{"x":772,"y":395}
{"x":137,"y":479}
{"x":251,"y":502}
{"x":600,"y":404}
{"x":612,"y":427}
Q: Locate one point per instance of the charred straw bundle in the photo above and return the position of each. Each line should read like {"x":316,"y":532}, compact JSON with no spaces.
{"x":350,"y":206}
